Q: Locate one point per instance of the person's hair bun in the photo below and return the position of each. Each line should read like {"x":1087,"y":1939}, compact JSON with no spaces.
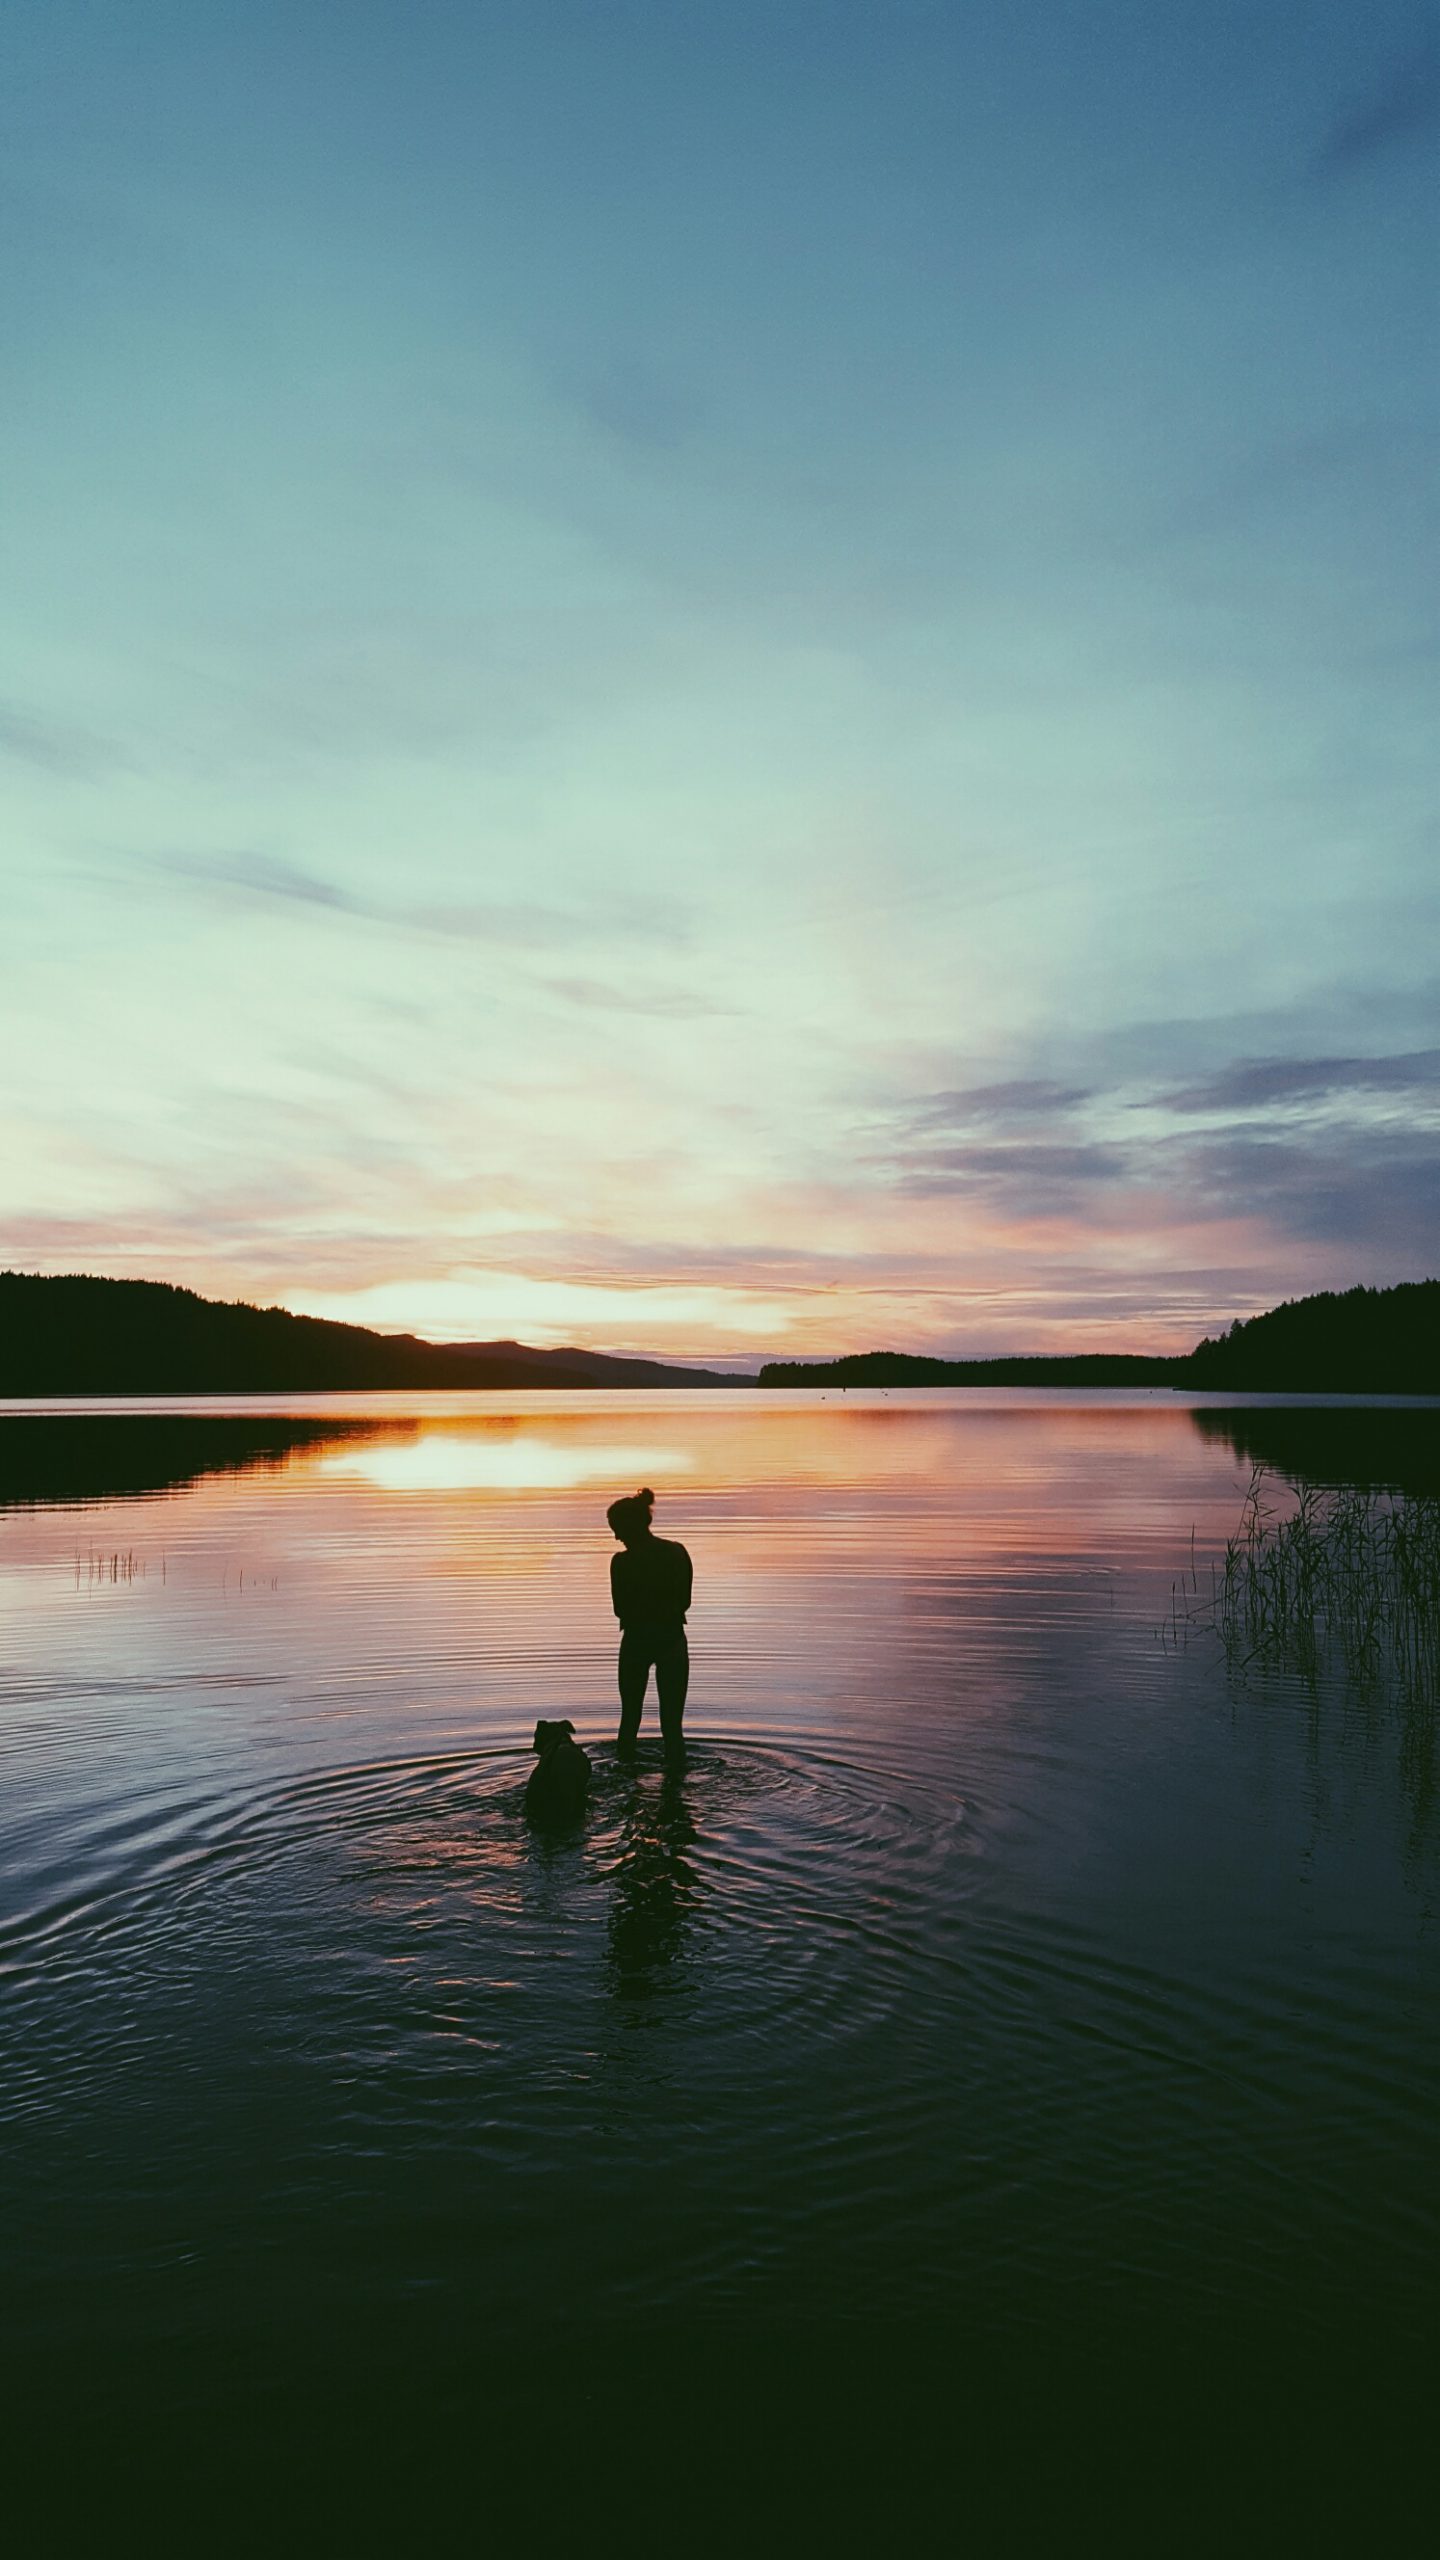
{"x":645,"y":1494}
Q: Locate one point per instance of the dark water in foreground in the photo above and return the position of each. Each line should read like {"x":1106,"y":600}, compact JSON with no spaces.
{"x":1004,"y":2065}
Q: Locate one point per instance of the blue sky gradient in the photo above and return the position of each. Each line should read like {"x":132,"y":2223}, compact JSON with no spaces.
{"x":722,"y":679}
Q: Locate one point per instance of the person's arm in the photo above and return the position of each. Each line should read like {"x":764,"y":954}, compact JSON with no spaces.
{"x":616,"y":1578}
{"x":686,"y":1577}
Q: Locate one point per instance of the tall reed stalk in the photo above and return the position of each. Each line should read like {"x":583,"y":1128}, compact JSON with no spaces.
{"x":1345,"y":1578}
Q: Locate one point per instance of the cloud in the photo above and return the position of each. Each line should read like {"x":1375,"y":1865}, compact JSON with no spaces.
{"x":636,"y":399}
{"x":669,"y":1003}
{"x":1378,"y":1193}
{"x":55,"y":746}
{"x":255,"y":875}
{"x":1381,"y":451}
{"x":1405,"y":109}
{"x":518,"y":924}
{"x":1037,"y":1173}
{"x":1250,"y":1083}
{"x":993,"y":1105}
{"x":1007,"y":1137}
{"x":1330,"y":1149}
{"x":532,"y":927}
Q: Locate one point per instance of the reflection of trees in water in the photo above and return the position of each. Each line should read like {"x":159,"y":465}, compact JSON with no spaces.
{"x":655,"y":1885}
{"x":105,"y":1457}
{"x":1379,"y":1447}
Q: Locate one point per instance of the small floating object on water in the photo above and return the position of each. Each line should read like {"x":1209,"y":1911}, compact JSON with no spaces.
{"x":561,"y":1781}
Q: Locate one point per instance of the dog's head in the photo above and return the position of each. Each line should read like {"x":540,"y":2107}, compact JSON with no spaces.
{"x":548,"y":1733}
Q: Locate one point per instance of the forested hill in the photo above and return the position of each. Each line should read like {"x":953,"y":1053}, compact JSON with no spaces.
{"x":1357,"y":1342}
{"x":79,"y":1336}
{"x":1361,"y":1342}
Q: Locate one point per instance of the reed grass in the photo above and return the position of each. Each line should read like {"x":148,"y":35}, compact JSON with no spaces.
{"x":1324,"y":1579}
{"x":111,"y":1565}
{"x":95,"y":1566}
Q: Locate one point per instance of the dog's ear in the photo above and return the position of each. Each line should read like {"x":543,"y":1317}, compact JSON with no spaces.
{"x":562,"y":1724}
{"x":542,"y":1735}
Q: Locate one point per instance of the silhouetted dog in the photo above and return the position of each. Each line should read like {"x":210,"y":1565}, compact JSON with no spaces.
{"x":561,"y":1783}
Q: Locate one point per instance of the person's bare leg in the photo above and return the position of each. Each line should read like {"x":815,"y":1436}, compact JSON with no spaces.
{"x":672,"y":1680}
{"x":634,"y":1676}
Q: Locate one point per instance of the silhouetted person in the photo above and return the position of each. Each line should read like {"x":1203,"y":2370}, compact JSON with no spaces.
{"x":650,"y":1586}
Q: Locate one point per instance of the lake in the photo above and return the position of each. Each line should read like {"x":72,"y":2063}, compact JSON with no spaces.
{"x":1010,"y":2046}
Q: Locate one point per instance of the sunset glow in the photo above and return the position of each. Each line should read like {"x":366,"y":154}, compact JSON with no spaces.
{"x":685,"y":688}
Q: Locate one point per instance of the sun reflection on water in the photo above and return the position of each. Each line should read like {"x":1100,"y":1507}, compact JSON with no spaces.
{"x":443,"y":1461}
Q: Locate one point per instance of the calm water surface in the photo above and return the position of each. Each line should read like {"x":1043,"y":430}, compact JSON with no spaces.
{"x":1001,"y":1997}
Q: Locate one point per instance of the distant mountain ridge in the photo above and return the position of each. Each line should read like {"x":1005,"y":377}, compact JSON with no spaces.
{"x":601,"y":1368}
{"x":76,"y":1335}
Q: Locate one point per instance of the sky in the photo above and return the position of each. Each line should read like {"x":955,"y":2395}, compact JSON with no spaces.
{"x":728,"y":679}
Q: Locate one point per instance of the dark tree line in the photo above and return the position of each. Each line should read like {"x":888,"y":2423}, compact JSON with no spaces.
{"x":1361,"y":1342}
{"x":81,"y":1336}
{"x":77,"y":1336}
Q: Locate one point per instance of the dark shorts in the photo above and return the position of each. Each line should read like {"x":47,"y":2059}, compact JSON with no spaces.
{"x":652,"y":1645}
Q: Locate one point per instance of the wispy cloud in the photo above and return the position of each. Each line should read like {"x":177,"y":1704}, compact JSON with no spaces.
{"x":1251,"y":1083}
{"x":637,"y":399}
{"x":624,"y":918}
{"x":1404,"y":109}
{"x":595,"y":995}
{"x":1035,"y":1175}
{"x":519,"y":924}
{"x":1011,"y":1142}
{"x":1331,"y":1149}
{"x":1325,"y":466}
{"x":254,"y":875}
{"x":1021,"y":1099}
{"x":1379,"y":1192}
{"x":55,"y":746}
